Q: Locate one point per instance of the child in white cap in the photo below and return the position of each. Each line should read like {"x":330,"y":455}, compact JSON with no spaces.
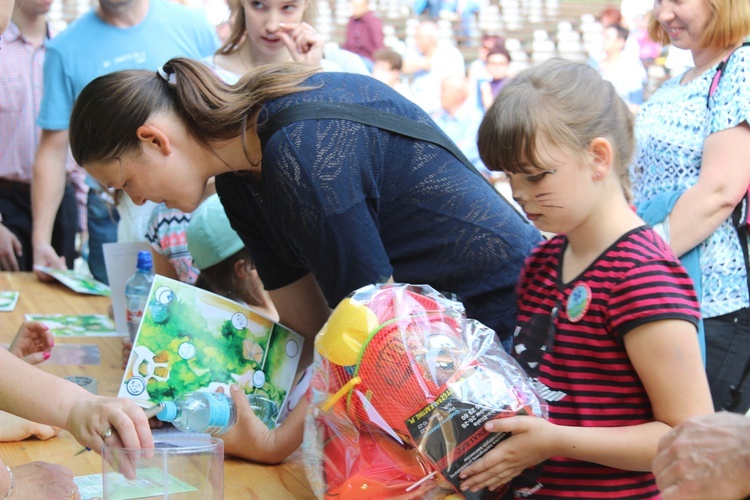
{"x":227,"y":269}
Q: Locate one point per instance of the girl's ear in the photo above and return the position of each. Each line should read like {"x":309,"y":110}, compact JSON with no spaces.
{"x":244,"y":269}
{"x":240,"y":269}
{"x":602,"y":153}
{"x":152,"y":136}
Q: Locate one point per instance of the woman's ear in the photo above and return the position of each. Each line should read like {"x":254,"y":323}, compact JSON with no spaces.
{"x":153,"y":136}
{"x":602,"y":154}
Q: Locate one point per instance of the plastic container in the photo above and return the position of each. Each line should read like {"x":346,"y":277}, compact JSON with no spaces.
{"x":179,"y":467}
{"x":137,"y":289}
{"x":213,"y":412}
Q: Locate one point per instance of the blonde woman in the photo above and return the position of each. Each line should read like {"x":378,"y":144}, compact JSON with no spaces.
{"x":692,"y":148}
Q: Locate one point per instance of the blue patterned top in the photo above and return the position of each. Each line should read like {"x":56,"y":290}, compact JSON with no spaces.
{"x":670,"y":130}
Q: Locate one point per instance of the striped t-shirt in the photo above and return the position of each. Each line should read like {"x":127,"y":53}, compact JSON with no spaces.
{"x":585,"y":374}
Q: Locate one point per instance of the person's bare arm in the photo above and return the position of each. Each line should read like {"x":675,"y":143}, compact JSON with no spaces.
{"x":162,"y":266}
{"x":10,"y":249}
{"x":302,"y":308}
{"x":47,"y":191}
{"x":723,"y":181}
{"x":6,"y":10}
{"x":34,"y":394}
{"x":676,"y":386}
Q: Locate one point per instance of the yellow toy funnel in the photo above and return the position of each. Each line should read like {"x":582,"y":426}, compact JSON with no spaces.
{"x":346,"y":331}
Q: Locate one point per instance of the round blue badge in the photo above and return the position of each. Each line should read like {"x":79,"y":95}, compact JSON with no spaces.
{"x":578,"y":302}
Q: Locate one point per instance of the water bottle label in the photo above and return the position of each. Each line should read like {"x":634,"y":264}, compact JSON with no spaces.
{"x":133,"y":315}
{"x":220,"y":410}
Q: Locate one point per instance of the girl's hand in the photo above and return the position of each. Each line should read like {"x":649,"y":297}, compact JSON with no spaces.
{"x":33,"y":342}
{"x":304,"y":43}
{"x":250,"y":438}
{"x":525,"y":448}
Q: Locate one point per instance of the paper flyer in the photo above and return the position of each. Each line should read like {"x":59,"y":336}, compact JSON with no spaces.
{"x":148,"y":483}
{"x":86,"y":325}
{"x":77,"y":282}
{"x":8,"y":300}
{"x":190,"y":339}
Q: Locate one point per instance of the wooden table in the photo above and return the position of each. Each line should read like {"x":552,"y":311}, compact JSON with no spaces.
{"x":242,"y":479}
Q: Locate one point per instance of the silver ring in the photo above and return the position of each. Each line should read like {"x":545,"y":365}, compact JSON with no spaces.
{"x":106,"y":433}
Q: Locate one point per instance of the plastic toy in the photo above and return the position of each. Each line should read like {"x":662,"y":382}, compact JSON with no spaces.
{"x":402,"y":385}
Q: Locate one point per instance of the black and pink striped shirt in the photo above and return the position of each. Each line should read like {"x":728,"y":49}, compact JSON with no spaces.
{"x":570,"y":336}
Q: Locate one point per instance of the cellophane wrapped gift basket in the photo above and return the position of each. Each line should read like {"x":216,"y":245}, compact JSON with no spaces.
{"x":402,"y":385}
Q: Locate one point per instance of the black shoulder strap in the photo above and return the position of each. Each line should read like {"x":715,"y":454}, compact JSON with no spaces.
{"x":368,"y":116}
{"x":361,"y":114}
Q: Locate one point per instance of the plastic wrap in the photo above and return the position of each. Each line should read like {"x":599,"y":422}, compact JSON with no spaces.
{"x":402,"y":385}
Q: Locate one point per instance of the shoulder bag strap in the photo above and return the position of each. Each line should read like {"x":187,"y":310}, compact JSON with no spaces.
{"x":367,"y":115}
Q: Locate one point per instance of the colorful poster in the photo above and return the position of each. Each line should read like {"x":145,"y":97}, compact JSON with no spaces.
{"x":77,"y":282}
{"x":190,"y":339}
{"x":8,"y":300}
{"x":86,"y":325}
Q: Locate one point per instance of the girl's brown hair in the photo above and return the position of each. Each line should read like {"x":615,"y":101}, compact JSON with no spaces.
{"x":728,"y":26}
{"x":110,"y":109}
{"x":222,"y":279}
{"x":565,"y":102}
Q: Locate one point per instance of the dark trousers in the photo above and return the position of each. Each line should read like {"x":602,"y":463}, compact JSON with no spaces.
{"x":727,"y":354}
{"x":103,"y":220}
{"x":15,"y":206}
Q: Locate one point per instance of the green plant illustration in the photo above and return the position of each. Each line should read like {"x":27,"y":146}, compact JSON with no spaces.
{"x":190,"y":340}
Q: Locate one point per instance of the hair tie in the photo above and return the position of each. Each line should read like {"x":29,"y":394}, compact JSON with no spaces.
{"x":167,"y":77}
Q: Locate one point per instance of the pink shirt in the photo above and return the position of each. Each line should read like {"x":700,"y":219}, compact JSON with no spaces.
{"x":20,"y":95}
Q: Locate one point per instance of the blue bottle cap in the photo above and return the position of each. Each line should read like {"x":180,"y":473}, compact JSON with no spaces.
{"x":169,"y":413}
{"x":145,"y":261}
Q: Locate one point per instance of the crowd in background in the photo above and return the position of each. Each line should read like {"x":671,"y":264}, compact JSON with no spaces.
{"x":66,"y":212}
{"x":443,"y":64}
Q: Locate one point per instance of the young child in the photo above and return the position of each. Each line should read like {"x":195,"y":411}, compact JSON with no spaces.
{"x":607,"y":315}
{"x":226,"y":267}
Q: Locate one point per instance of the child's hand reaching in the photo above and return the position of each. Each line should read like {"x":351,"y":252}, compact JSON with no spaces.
{"x":13,"y":428}
{"x":251,"y":439}
{"x":127,"y":347}
{"x":525,"y":448}
{"x":33,"y":342}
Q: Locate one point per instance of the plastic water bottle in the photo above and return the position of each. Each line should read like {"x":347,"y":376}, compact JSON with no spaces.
{"x":136,"y":292}
{"x":212,"y":412}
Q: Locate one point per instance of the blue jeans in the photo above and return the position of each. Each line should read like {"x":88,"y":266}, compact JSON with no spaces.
{"x":103,"y":221}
